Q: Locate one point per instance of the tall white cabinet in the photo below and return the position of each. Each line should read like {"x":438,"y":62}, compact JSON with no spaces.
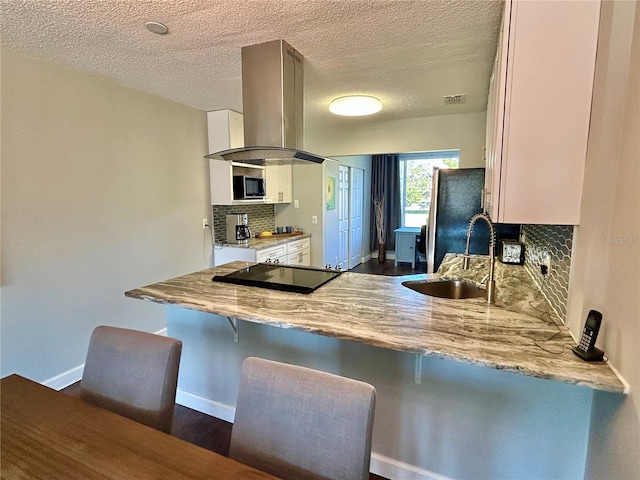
{"x":539,"y":110}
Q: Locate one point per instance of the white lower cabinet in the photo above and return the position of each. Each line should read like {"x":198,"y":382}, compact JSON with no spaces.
{"x":277,"y":254}
{"x":299,"y":252}
{"x":222,"y":255}
{"x":296,"y":252}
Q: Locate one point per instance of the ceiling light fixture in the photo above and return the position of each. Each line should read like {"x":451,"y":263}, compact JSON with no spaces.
{"x":156,"y":27}
{"x":355,"y":105}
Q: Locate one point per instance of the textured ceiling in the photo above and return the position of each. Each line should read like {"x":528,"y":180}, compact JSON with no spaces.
{"x":409,"y":53}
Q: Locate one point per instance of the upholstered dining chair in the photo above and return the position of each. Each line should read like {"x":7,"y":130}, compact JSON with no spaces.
{"x":299,"y":423}
{"x":132,"y":373}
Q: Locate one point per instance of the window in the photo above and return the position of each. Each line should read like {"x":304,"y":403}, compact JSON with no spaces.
{"x":416,"y":172}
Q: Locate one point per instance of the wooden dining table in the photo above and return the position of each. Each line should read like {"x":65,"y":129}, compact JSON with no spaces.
{"x":45,"y":434}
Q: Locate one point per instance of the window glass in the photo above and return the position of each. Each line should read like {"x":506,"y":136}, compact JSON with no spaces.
{"x":416,"y":173}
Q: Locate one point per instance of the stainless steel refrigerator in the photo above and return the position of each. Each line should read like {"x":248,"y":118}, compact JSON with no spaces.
{"x":456,"y":195}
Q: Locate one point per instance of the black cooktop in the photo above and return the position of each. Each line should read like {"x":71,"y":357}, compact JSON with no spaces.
{"x":280,"y":277}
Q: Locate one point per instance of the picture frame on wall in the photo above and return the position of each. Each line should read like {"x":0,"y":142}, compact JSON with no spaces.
{"x":331,"y":193}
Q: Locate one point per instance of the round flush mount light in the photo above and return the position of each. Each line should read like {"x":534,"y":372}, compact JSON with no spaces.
{"x":156,"y":27}
{"x":355,"y":105}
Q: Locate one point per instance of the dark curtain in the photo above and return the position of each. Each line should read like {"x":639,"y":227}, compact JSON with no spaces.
{"x":385,"y":179}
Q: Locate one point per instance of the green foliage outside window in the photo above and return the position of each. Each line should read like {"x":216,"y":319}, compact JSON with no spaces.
{"x":417,"y":178}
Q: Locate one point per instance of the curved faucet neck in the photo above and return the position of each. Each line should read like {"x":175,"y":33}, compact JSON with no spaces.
{"x":492,"y":232}
{"x":492,"y":241}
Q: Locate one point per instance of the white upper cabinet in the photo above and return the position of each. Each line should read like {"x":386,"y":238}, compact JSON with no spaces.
{"x":539,"y":110}
{"x":278,"y":183}
{"x":226,"y":130}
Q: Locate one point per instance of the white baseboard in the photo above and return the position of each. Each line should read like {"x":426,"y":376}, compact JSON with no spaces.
{"x":75,"y":374}
{"x":65,"y":378}
{"x":380,"y":465}
{"x":205,"y":405}
{"x":395,"y":469}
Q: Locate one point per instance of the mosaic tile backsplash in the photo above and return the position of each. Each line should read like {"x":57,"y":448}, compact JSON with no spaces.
{"x":557,"y":240}
{"x":261,"y":218}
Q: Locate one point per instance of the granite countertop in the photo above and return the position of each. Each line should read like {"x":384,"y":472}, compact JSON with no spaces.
{"x":261,"y":243}
{"x":378,"y":310}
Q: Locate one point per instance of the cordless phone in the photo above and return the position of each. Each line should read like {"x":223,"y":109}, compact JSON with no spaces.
{"x":586,"y":349}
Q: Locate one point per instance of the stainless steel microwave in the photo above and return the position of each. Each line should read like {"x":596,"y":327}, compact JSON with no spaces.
{"x":247,"y":188}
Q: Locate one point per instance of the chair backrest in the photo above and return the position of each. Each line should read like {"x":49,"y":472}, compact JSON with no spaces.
{"x":299,"y":423}
{"x":132,"y":373}
{"x":422,"y":241}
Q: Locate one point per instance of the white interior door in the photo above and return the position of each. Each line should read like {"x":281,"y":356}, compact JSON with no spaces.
{"x":356,"y":210}
{"x":343,"y":217}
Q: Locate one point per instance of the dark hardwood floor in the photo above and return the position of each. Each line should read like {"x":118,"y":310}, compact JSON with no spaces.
{"x":197,"y":428}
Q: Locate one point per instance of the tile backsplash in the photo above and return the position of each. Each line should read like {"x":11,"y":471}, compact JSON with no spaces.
{"x":261,"y":218}
{"x":557,"y":240}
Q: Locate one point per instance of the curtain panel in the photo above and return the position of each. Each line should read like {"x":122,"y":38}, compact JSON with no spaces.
{"x":385,"y":180}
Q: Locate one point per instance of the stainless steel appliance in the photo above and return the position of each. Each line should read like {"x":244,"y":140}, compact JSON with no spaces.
{"x":455,"y":198}
{"x":247,"y":188}
{"x":238,"y":230}
{"x":273,"y":107}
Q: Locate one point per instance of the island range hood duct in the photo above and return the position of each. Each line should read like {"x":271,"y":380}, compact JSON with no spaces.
{"x":272,"y":99}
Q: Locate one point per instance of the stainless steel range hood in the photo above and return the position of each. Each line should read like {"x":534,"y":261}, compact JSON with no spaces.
{"x":273,"y":108}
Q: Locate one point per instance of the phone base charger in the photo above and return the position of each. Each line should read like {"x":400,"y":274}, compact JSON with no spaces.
{"x":594,"y":355}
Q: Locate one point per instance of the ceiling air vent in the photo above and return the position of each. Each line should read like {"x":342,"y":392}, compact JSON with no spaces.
{"x":453,"y":99}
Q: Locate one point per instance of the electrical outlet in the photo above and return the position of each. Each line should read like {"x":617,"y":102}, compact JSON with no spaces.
{"x":296,"y":204}
{"x":314,"y":219}
{"x":205,"y":223}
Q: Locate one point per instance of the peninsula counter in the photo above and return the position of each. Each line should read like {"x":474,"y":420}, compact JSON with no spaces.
{"x":465,"y":389}
{"x":379,"y":311}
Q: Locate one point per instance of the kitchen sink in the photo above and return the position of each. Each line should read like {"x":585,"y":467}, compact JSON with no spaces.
{"x":446,"y":288}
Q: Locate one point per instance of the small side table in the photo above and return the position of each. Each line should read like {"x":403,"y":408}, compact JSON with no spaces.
{"x":406,"y":245}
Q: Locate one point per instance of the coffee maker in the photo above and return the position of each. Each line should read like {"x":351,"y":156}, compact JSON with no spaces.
{"x":238,"y":230}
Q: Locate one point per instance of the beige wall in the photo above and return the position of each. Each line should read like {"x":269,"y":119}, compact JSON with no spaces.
{"x":605,"y":271}
{"x":461,"y":131}
{"x":103,"y":189}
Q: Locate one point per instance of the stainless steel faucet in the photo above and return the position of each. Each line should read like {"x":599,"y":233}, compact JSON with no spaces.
{"x":490,"y":294}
